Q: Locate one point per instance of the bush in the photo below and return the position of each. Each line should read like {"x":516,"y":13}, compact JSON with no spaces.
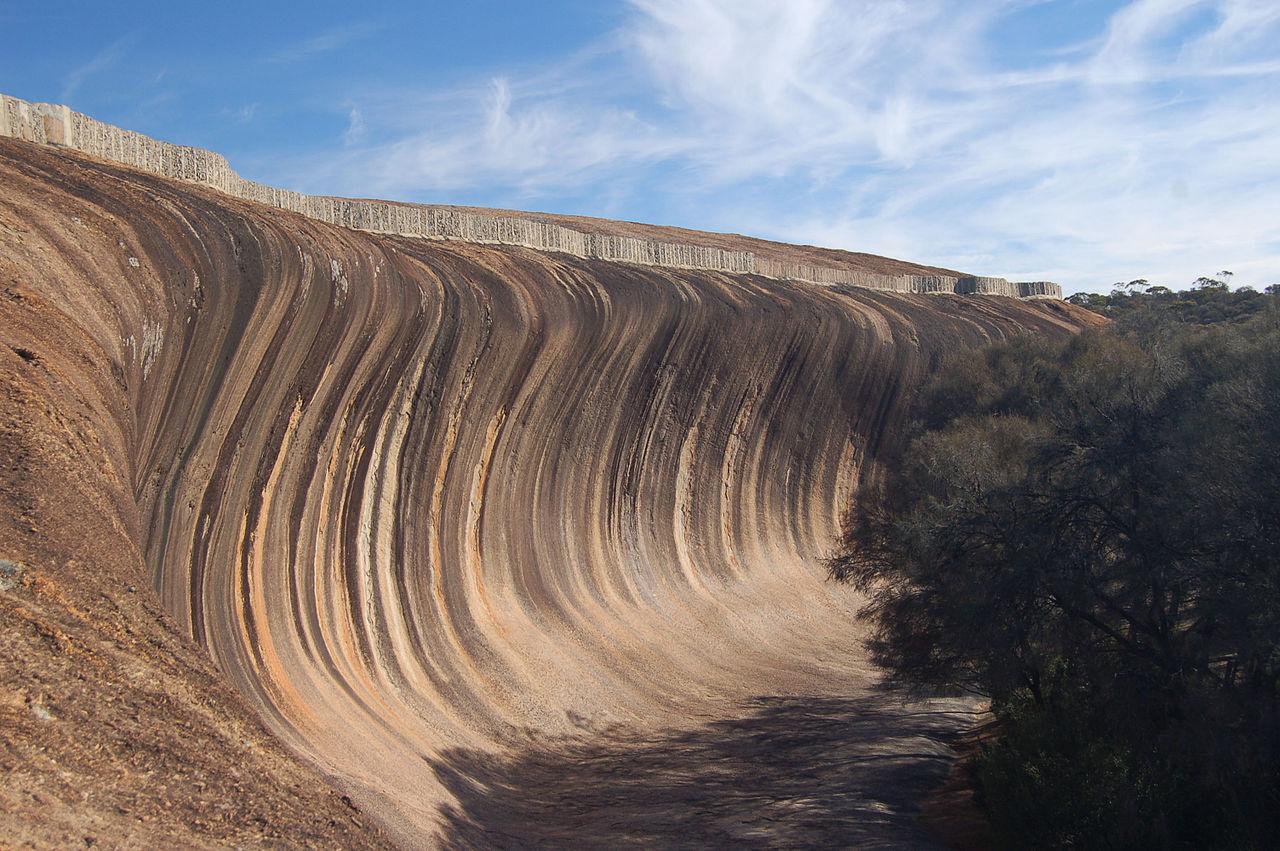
{"x":1087,"y":534}
{"x":1135,"y":306}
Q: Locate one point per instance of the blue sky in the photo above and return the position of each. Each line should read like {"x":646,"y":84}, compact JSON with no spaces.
{"x":1081,"y":141}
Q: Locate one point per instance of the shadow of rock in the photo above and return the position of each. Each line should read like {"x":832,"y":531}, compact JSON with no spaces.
{"x":788,"y":772}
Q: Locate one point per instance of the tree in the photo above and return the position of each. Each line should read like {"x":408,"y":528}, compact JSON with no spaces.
{"x":1208,"y":301}
{"x":1221,"y":282}
{"x":1087,"y":534}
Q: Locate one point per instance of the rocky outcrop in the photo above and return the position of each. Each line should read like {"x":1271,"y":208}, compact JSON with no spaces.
{"x":514,"y":547}
{"x":58,"y":125}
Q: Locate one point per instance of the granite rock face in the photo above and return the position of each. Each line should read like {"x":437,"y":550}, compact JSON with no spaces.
{"x":54,"y":124}
{"x":508,"y":546}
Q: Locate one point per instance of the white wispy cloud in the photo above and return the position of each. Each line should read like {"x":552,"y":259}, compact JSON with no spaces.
{"x":356,"y":127}
{"x":102,"y":61}
{"x":533,"y":137}
{"x":1148,"y":149}
{"x":326,"y":42}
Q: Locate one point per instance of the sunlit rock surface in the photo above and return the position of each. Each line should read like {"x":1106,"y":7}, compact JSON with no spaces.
{"x":511,"y":546}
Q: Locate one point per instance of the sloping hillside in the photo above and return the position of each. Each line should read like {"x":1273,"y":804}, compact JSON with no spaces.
{"x":497,"y":542}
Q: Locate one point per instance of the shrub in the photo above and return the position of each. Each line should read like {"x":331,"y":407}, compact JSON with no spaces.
{"x":1087,"y":534}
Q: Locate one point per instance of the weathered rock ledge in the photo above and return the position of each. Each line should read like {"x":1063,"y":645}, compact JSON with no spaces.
{"x":54,"y":124}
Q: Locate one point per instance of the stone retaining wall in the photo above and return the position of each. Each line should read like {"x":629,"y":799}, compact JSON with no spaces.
{"x":53,"y":124}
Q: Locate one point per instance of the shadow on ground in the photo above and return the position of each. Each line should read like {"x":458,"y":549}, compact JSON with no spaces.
{"x":788,"y":772}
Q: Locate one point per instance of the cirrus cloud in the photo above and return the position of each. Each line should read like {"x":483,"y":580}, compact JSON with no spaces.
{"x":1143,"y":146}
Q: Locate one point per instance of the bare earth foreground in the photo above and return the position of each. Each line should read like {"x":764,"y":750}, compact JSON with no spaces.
{"x":319,"y":537}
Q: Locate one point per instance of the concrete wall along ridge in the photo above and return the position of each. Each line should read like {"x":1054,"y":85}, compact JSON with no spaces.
{"x":52,"y":124}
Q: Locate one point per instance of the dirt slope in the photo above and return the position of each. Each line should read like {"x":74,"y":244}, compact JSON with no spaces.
{"x":508,"y":547}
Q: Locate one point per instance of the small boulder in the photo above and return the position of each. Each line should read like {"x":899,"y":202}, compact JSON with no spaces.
{"x":10,"y":571}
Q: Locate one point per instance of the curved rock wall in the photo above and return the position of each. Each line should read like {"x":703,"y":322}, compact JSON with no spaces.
{"x":58,"y":125}
{"x":419,"y":498}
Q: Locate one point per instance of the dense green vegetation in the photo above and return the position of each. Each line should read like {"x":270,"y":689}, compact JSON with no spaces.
{"x":1210,"y":300}
{"x":1087,"y":533}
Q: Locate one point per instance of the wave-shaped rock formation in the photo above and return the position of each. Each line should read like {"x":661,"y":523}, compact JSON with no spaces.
{"x":510,"y":547}
{"x":56,"y":124}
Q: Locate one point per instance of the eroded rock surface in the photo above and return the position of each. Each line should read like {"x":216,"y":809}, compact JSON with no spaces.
{"x":508,"y":547}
